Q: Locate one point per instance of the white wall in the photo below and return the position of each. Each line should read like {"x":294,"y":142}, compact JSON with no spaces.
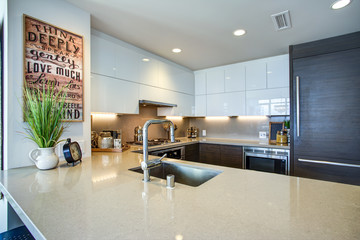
{"x":63,"y":15}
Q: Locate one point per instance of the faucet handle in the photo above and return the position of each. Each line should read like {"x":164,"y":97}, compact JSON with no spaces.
{"x":163,"y":156}
{"x":152,"y":164}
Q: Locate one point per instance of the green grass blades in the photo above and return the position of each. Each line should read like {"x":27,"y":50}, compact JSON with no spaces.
{"x":43,"y":110}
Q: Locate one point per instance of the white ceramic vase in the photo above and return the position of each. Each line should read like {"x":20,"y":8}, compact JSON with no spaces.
{"x":44,"y":158}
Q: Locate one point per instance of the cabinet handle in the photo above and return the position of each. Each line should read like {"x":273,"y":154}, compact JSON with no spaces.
{"x":329,"y":163}
{"x":297,"y":106}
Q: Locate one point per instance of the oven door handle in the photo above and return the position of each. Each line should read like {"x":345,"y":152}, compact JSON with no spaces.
{"x":281,"y":157}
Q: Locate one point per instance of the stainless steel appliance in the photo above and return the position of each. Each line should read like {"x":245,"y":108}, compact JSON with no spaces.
{"x":138,"y":134}
{"x":176,"y":153}
{"x":154,"y":142}
{"x":105,"y":140}
{"x":267,"y":160}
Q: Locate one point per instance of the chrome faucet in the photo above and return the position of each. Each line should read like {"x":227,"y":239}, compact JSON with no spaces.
{"x":146,"y":164}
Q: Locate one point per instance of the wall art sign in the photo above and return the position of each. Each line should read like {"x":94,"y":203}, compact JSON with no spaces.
{"x":55,"y":56}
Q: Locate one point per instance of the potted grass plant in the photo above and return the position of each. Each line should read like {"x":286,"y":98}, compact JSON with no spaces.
{"x":43,"y":110}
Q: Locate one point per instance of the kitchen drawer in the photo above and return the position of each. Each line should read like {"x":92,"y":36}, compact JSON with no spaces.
{"x":334,"y":173}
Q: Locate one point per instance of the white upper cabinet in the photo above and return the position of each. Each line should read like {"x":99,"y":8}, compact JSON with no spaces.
{"x":200,"y":106}
{"x":103,"y":59}
{"x":175,"y":78}
{"x":215,"y":80}
{"x":226,"y":104}
{"x":200,"y":82}
{"x":127,"y":64}
{"x":184,"y":103}
{"x":235,"y":77}
{"x":149,"y":71}
{"x":278,"y":71}
{"x":113,"y":95}
{"x":268,"y":102}
{"x":135,"y":74}
{"x":255,"y":75}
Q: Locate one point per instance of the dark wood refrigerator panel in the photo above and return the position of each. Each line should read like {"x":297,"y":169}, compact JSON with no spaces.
{"x":329,"y":116}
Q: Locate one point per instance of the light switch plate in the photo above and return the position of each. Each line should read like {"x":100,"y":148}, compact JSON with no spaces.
{"x":262,"y":134}
{"x":204,"y":133}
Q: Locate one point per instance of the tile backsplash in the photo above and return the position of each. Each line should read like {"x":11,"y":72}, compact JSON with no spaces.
{"x":247,"y":127}
{"x":127,"y":123}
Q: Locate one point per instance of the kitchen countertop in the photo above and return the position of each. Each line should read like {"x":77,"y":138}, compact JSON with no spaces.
{"x":101,"y":199}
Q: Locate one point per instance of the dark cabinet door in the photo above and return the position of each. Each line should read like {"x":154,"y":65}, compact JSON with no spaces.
{"x":326,"y":133}
{"x":192,"y":152}
{"x":222,"y":155}
{"x":210,"y":153}
{"x":231,"y":156}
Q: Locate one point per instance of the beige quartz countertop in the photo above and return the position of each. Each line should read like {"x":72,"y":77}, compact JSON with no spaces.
{"x":101,"y":199}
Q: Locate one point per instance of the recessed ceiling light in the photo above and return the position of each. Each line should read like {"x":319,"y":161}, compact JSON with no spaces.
{"x":340,"y":4}
{"x":176,"y":50}
{"x":239,"y":32}
{"x":145,"y":59}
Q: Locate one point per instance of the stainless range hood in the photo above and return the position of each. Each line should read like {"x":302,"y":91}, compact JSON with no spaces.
{"x":155,"y":104}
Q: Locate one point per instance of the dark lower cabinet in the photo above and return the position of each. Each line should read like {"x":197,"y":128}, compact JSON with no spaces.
{"x":231,"y":156}
{"x":325,"y":109}
{"x":192,"y":152}
{"x":210,"y":154}
{"x":222,"y":155}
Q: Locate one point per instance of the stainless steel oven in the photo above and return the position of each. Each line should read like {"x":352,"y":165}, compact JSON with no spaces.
{"x":176,"y":153}
{"x":271,"y":160}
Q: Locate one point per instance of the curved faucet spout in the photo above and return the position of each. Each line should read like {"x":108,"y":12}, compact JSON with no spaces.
{"x":145,"y":142}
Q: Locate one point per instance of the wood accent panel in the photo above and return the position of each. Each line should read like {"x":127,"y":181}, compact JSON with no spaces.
{"x":192,"y":152}
{"x":222,"y":155}
{"x":210,"y":153}
{"x":231,"y":156}
{"x":329,"y":109}
{"x":329,"y":45}
{"x":348,"y":175}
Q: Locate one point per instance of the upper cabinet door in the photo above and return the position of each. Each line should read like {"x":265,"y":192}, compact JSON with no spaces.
{"x":235,"y":78}
{"x":149,"y":71}
{"x":225,"y":104}
{"x":278,"y":71}
{"x":200,"y":83}
{"x":215,"y":81}
{"x":127,"y":64}
{"x":255,"y":75}
{"x":200,"y":106}
{"x":176,"y":79}
{"x":103,"y":56}
{"x":113,"y":95}
{"x":267,"y":102}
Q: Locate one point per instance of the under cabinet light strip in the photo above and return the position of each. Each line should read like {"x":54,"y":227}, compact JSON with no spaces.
{"x":174,"y":117}
{"x":217,"y":118}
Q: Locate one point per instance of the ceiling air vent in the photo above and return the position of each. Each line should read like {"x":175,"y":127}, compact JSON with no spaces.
{"x":281,"y":20}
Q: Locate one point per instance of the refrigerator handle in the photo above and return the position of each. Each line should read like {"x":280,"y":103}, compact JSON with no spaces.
{"x":297,"y":106}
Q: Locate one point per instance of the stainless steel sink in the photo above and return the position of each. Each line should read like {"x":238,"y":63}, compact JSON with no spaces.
{"x":189,"y":175}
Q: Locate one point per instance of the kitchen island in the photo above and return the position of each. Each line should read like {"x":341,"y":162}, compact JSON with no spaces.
{"x":101,"y":199}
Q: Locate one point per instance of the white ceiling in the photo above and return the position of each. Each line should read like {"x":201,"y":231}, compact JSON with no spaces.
{"x":203,"y":28}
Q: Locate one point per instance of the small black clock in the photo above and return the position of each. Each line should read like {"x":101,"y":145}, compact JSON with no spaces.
{"x":72,"y":151}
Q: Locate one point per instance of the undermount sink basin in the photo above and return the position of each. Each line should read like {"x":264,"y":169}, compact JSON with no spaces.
{"x":185,"y":174}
